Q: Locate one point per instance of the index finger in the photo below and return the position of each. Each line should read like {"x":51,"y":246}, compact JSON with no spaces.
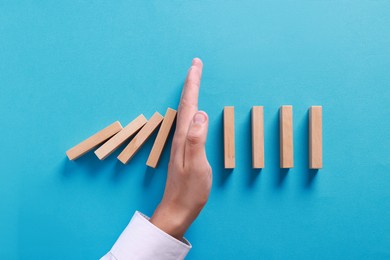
{"x":187,"y":108}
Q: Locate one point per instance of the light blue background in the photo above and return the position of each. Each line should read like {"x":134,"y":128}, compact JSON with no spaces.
{"x":69,"y":68}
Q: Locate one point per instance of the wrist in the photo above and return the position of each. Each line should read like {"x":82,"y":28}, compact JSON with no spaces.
{"x":172,"y":220}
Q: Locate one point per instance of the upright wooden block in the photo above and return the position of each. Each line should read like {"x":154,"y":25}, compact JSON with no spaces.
{"x":93,"y":141}
{"x":257,"y":137}
{"x":161,"y":138}
{"x":140,"y":138}
{"x":286,"y":137}
{"x":315,"y":137}
{"x":117,"y":140}
{"x":228,"y":137}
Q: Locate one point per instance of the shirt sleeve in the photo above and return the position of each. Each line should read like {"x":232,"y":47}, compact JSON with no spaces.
{"x":143,"y":240}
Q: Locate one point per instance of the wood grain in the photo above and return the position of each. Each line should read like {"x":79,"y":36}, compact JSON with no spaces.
{"x":315,"y":137}
{"x":161,"y":138}
{"x":257,"y":137}
{"x":228,"y":137}
{"x":117,"y":140}
{"x":286,"y":137}
{"x":136,"y":143}
{"x":93,"y":141}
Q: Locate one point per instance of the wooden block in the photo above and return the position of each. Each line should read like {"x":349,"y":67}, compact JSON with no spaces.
{"x":121,"y":137}
{"x":93,"y":141}
{"x":257,"y":137}
{"x":228,"y":137}
{"x":286,"y":137}
{"x":161,"y":138}
{"x":140,"y":138}
{"x":315,"y":137}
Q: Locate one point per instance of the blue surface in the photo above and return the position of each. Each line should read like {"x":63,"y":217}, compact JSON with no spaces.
{"x":69,"y":68}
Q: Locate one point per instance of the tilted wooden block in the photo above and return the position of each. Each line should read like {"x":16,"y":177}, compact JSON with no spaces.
{"x":93,"y":141}
{"x":286,"y":137}
{"x":140,"y":138}
{"x":117,"y":140}
{"x":315,"y":137}
{"x":257,"y":137}
{"x":228,"y":137}
{"x":161,"y":138}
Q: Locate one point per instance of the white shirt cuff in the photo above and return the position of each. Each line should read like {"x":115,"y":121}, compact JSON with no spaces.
{"x":143,"y":240}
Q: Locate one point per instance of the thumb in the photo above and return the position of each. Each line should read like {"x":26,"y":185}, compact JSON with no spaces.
{"x":195,"y":152}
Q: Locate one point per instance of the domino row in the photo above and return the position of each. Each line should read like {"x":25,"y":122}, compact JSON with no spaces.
{"x":114,"y":135}
{"x":286,"y":137}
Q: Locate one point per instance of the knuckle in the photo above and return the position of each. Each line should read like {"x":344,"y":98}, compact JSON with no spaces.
{"x":185,"y":104}
{"x":207,"y":170}
{"x":194,"y":139}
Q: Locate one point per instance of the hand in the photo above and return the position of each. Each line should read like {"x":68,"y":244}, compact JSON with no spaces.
{"x":189,"y":173}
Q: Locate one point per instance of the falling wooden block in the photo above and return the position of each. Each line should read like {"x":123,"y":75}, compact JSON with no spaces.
{"x":140,"y":138}
{"x":161,"y":138}
{"x":286,"y":137}
{"x":257,"y":137}
{"x":228,"y":137}
{"x":117,"y":140}
{"x":93,"y":141}
{"x":315,"y":137}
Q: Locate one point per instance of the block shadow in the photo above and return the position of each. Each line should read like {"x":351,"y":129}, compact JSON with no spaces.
{"x":282,"y":173}
{"x":309,"y":175}
{"x":120,"y":169}
{"x":223,"y":174}
{"x":251,"y":173}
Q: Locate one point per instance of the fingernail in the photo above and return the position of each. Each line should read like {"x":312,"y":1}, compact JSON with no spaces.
{"x":199,"y":118}
{"x":196,"y":61}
